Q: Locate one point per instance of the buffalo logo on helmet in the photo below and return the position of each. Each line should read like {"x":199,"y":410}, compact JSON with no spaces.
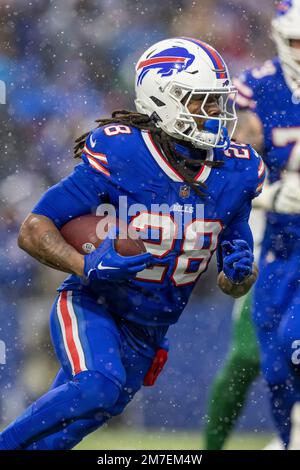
{"x":169,"y":61}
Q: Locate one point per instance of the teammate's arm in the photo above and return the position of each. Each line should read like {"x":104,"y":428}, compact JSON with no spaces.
{"x":250,"y":130}
{"x":282,"y":196}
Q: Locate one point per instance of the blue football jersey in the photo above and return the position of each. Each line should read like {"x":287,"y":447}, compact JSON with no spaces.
{"x":122,"y":163}
{"x":264,"y":91}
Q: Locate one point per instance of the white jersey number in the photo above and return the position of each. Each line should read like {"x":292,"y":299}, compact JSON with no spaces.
{"x":282,"y":136}
{"x":193,"y":249}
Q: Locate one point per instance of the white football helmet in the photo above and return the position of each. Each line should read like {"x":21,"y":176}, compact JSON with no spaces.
{"x":286,"y":26}
{"x":172,"y":72}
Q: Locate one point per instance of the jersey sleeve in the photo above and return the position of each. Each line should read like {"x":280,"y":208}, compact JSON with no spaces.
{"x":259,"y":173}
{"x":251,"y":86}
{"x":79,"y":193}
{"x":107,"y":149}
{"x":95,"y":153}
{"x":247,"y":88}
{"x":249,"y":168}
{"x":97,"y":179}
{"x":238,"y":229}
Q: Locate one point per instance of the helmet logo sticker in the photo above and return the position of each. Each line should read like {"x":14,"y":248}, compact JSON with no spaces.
{"x":169,"y":61}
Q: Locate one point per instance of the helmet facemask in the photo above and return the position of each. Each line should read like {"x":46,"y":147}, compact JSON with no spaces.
{"x":213,"y":132}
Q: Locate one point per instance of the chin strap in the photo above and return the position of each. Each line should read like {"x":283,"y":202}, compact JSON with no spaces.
{"x":212,"y":128}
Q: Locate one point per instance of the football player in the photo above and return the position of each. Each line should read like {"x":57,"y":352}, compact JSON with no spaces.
{"x":110,"y":318}
{"x":269,"y":100}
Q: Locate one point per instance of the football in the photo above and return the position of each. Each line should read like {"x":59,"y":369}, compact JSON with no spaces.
{"x":85,"y":233}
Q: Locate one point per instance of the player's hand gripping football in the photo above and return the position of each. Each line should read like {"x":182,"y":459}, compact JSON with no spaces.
{"x":105,"y":263}
{"x":237,"y":260}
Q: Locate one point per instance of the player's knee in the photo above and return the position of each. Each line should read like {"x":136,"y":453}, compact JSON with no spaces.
{"x":97,"y":392}
{"x":124,"y":398}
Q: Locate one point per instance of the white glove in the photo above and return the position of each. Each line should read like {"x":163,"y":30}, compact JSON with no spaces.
{"x":282,"y":197}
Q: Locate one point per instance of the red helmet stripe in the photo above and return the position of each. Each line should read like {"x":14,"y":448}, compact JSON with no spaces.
{"x":159,"y":60}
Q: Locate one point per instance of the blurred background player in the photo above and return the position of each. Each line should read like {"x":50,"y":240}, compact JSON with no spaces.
{"x":269,"y":97}
{"x":229,"y":389}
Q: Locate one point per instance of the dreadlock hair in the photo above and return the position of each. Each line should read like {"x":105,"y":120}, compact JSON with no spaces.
{"x":186,"y":167}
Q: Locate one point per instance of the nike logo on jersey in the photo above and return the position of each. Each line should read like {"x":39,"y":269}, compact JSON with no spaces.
{"x":92,"y":142}
{"x":101,"y":267}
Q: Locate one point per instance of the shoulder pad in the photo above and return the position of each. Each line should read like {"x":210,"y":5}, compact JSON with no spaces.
{"x":260,"y":175}
{"x":106,"y":147}
{"x":254,"y":168}
{"x":251,"y":83}
{"x":238,"y":150}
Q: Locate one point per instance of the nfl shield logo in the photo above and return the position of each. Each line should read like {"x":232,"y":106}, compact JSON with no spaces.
{"x":184,"y":191}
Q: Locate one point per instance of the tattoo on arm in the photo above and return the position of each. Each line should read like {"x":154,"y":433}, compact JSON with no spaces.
{"x":53,"y":252}
{"x":41,"y":239}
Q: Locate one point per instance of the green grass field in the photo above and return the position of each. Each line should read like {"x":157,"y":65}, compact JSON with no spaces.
{"x":122,"y":439}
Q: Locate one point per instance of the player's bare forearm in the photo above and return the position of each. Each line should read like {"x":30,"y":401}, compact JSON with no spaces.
{"x":42,"y":240}
{"x":237,"y":290}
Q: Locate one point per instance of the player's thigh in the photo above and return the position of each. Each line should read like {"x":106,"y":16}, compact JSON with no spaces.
{"x":270,"y":306}
{"x":136,"y":366}
{"x":86,"y":337}
{"x":270,"y":298}
{"x":273,"y":363}
{"x":276,"y":286}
